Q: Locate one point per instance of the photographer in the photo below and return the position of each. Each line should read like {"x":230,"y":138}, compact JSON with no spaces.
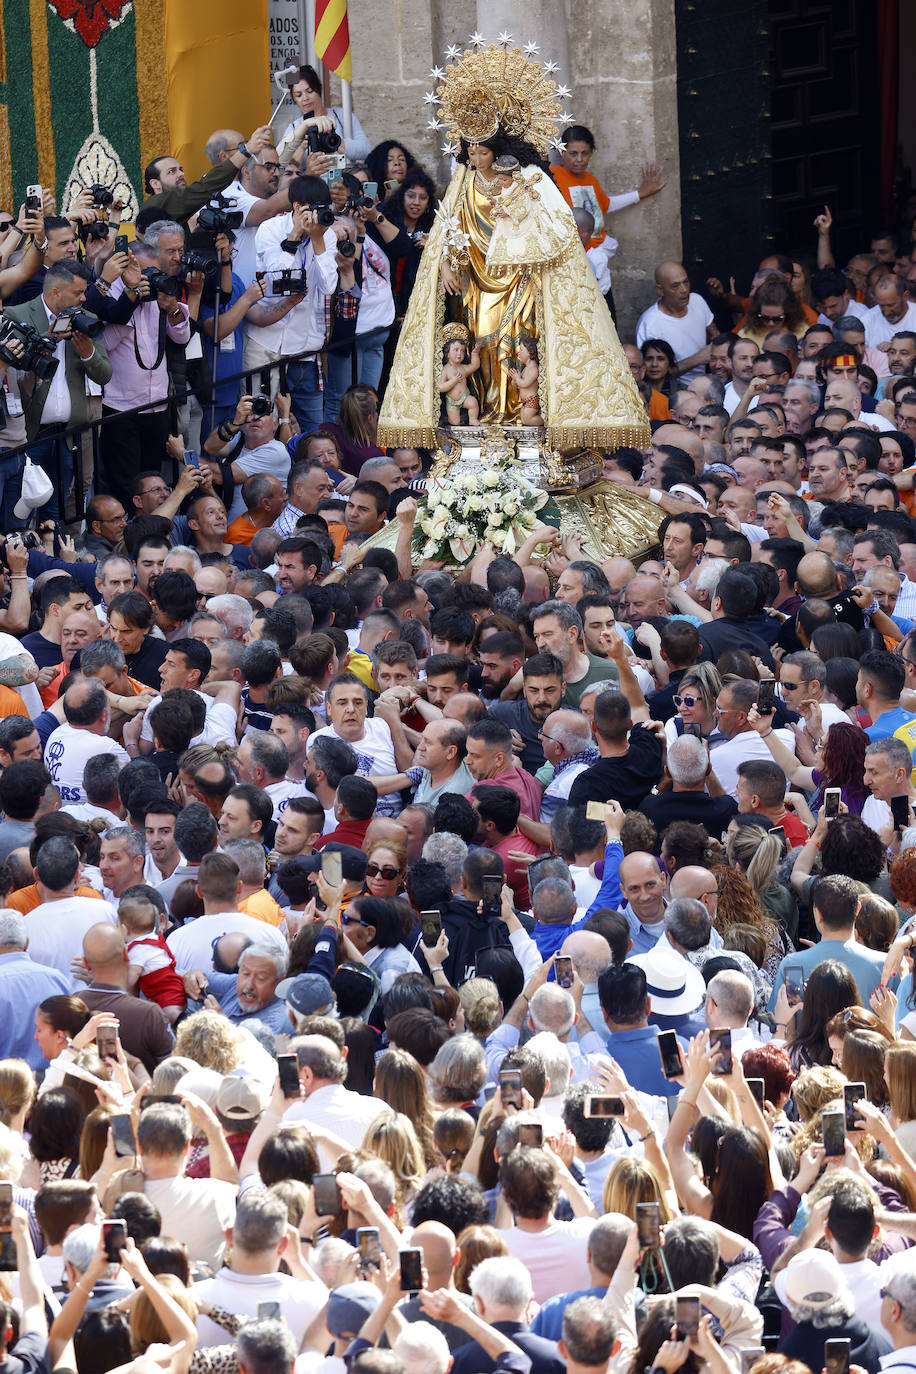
{"x":169,"y":191}
{"x":27,"y":232}
{"x":305,"y":91}
{"x":131,"y":442}
{"x":298,"y":242}
{"x":254,"y":441}
{"x":256,"y":196}
{"x":357,"y":356}
{"x":52,"y":403}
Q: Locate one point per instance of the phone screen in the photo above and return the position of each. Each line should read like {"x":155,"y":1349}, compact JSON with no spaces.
{"x":832,"y":803}
{"x":766,"y":697}
{"x":510,"y":1087}
{"x":757,"y":1088}
{"x":6,"y":1206}
{"x":687,"y":1316}
{"x":833,"y":1131}
{"x":106,"y":1040}
{"x":331,"y":867}
{"x":900,"y":811}
{"x":411,"y":1264}
{"x":853,"y":1093}
{"x":795,"y":984}
{"x":720,"y":1051}
{"x":288,"y":1066}
{"x":604,"y":1106}
{"x":492,"y":887}
{"x":648,"y":1223}
{"x":430,"y":927}
{"x":670,"y":1051}
{"x":563,"y":968}
{"x":693,"y":727}
{"x":370,"y":1247}
{"x":9,"y":1260}
{"x":121,"y":244}
{"x":531,"y":1134}
{"x":268,"y":1311}
{"x":836,"y":1356}
{"x":326,"y":1195}
{"x":114,"y":1234}
{"x":122,"y":1133}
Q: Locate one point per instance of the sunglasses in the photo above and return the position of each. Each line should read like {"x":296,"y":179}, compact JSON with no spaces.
{"x":789,"y":686}
{"x":351,"y":921}
{"x":687,"y":701}
{"x":388,"y":871}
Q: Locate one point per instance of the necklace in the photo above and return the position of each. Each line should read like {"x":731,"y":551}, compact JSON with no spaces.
{"x":487,"y":187}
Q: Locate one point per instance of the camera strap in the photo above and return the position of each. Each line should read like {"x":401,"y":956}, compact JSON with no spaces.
{"x":160,"y":354}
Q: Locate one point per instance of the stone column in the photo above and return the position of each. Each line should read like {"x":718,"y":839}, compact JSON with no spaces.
{"x":537,"y":21}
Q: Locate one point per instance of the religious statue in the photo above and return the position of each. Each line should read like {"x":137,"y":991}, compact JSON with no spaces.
{"x":504,"y":261}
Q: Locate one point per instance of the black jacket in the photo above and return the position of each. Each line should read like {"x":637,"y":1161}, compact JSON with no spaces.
{"x":626,"y":779}
{"x":467,"y":933}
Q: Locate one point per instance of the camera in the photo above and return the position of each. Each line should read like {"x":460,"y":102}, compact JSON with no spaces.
{"x":98,"y":229}
{"x":289,"y":283}
{"x":219,"y":216}
{"x":358,"y":203}
{"x":83,"y":321}
{"x":323,"y":143}
{"x":346,"y":249}
{"x":415,"y":234}
{"x":37,"y":351}
{"x":325,"y":214}
{"x":261,"y":405}
{"x":161,"y":281}
{"x":101,"y":196}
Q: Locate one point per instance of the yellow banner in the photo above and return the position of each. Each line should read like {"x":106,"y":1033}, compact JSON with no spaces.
{"x":218,"y":73}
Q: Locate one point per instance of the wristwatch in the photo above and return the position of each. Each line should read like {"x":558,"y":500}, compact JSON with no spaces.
{"x":243,"y":148}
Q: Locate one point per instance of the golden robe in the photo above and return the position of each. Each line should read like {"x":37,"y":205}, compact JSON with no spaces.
{"x":542,"y":284}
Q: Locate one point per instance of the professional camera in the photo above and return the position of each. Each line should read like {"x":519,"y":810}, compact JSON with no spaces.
{"x":193,"y":261}
{"x":346,"y":249}
{"x":261,"y":405}
{"x":219,"y":216}
{"x":37,"y":351}
{"x":101,"y":196}
{"x":325,"y":214}
{"x":323,"y":143}
{"x":358,"y":203}
{"x":289,"y":283}
{"x":98,"y":229}
{"x":161,"y":281}
{"x":82,"y":321}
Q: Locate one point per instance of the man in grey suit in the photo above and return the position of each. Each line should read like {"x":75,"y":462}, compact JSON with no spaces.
{"x":52,"y":404}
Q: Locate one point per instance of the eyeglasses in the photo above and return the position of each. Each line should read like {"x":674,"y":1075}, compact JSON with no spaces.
{"x":546,"y":738}
{"x":388,"y":871}
{"x":688,"y":701}
{"x":270,"y":166}
{"x":713,"y":892}
{"x":886,"y":1293}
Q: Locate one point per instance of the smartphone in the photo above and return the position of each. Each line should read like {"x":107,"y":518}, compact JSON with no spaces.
{"x":288,"y":1065}
{"x":671,"y":1103}
{"x":369,"y":1243}
{"x":390,"y":187}
{"x":594,"y":811}
{"x":122,"y":1133}
{"x":648,"y":1224}
{"x":326,"y":1195}
{"x":563,"y":968}
{"x":334,"y":176}
{"x":853,"y":1093}
{"x":750,"y":1356}
{"x":833,"y":1132}
{"x":6,"y":1206}
{"x":687,"y":1317}
{"x":766,"y":696}
{"x":831,"y":803}
{"x":191,"y":459}
{"x":106,"y":1040}
{"x":114,"y":1235}
{"x":492,"y":885}
{"x":720,"y":1049}
{"x":370,"y":189}
{"x":510,"y":1087}
{"x":152,"y":1099}
{"x":33,"y":200}
{"x":121,"y":243}
{"x":758,"y":1089}
{"x":693,"y":727}
{"x":779,"y":832}
{"x":430,"y":927}
{"x":332,"y":867}
{"x":900,"y":811}
{"x":531,"y":1134}
{"x":836,"y":1356}
{"x":670,"y":1051}
{"x":268,"y":1312}
{"x":411,"y":1263}
{"x":9,"y":1260}
{"x":603,"y":1105}
{"x":795,"y":984}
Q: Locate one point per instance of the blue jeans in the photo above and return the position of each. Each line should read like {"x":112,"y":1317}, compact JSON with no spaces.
{"x":55,"y":454}
{"x":307,"y":397}
{"x":370,"y":352}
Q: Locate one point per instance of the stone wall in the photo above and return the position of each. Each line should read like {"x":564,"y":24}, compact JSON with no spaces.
{"x":622,"y":70}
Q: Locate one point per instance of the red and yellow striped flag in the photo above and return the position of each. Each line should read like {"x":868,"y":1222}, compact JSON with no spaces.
{"x":332,"y":37}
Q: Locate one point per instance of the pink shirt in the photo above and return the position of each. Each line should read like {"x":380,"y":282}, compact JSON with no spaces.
{"x":527,"y":787}
{"x":133,"y":384}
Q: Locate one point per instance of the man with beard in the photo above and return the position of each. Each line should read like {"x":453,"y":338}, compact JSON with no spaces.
{"x":501,"y":657}
{"x":542,"y":692}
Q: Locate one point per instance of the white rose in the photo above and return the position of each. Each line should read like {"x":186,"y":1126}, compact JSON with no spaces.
{"x":474,"y":503}
{"x":440,"y":513}
{"x":467,"y":481}
{"x":462,"y":532}
{"x":510,"y":507}
{"x":491,"y":479}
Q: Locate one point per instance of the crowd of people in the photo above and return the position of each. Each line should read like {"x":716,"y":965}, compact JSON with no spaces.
{"x":405,"y":969}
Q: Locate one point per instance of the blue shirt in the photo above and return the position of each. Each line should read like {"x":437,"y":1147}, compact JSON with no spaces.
{"x":228,"y":360}
{"x":864,"y":964}
{"x":609,"y":893}
{"x":888,"y":722}
{"x":549,"y":1321}
{"x":23,"y":984}
{"x":636,"y":1051}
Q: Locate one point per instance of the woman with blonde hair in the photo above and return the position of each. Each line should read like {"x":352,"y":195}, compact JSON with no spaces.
{"x":756,"y":853}
{"x":479,"y":998}
{"x":631,"y":1181}
{"x":476,"y":1243}
{"x":392,"y":1139}
{"x":17,"y":1092}
{"x":695,"y":701}
{"x":210,"y":1040}
{"x":814,"y":1088}
{"x":400,"y":1081}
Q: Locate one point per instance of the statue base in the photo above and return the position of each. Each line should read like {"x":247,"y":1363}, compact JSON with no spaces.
{"x":611,"y":521}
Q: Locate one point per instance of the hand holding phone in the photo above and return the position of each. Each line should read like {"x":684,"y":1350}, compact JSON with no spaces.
{"x":766,"y":697}
{"x":648,"y":1225}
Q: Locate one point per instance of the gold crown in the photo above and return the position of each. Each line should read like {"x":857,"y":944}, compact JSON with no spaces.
{"x":455,"y":331}
{"x":498,"y":88}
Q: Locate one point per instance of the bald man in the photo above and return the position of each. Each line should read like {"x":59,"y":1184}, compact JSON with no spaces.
{"x":82,"y":735}
{"x":680,"y":317}
{"x":591,"y":955}
{"x":142,"y":1027}
{"x":440,"y":1256}
{"x":698,"y":883}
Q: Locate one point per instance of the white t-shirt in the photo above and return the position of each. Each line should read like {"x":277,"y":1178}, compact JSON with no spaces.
{"x":192,"y":943}
{"x":85,"y":811}
{"x":878,"y":330}
{"x":282,"y":792}
{"x":56,"y":930}
{"x":556,"y":1258}
{"x":271,"y":458}
{"x":686,"y":334}
{"x":219,"y":727}
{"x":876,"y":814}
{"x":199,"y":1210}
{"x":67,"y":752}
{"x":375,"y":750}
{"x":725,"y":757}
{"x":240,"y":1293}
{"x":11,"y":648}
{"x":244,"y":263}
{"x":349,"y":1115}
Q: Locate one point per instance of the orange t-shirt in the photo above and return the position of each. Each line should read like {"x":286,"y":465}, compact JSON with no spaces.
{"x":242,"y":530}
{"x":659,"y":408}
{"x":586,"y":192}
{"x":26,"y":899}
{"x":11,"y":703}
{"x":262,"y":907}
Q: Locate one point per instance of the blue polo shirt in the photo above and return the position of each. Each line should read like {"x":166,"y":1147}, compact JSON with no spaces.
{"x":863,"y":963}
{"x":549,"y":1321}
{"x":636,"y":1051}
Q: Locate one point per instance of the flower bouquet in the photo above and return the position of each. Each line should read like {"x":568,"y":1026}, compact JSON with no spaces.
{"x":463,"y":510}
